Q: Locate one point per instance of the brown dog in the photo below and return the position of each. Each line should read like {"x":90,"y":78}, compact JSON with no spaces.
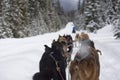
{"x":86,"y":69}
{"x":84,"y":35}
{"x":62,"y":39}
{"x":89,"y":67}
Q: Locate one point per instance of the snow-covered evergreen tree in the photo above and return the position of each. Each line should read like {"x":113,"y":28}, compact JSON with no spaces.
{"x":37,"y":24}
{"x":0,"y":15}
{"x":21,"y":18}
{"x":117,"y":29}
{"x":45,"y":16}
{"x":92,"y":14}
{"x":116,"y":21}
{"x":88,"y":16}
{"x":112,"y":15}
{"x":15,"y":17}
{"x":6,"y":19}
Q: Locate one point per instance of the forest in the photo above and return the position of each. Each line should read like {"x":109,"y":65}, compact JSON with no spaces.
{"x":25,"y":18}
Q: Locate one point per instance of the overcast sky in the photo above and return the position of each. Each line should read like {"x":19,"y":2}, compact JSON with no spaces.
{"x":69,"y":4}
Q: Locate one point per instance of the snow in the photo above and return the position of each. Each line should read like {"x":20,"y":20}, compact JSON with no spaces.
{"x":19,"y":58}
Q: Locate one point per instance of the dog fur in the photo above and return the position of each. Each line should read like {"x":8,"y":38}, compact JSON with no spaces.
{"x":89,"y":67}
{"x":86,"y":69}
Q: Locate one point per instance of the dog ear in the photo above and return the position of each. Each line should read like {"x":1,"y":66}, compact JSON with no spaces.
{"x":59,"y":35}
{"x":53,"y":41}
{"x":47,"y":48}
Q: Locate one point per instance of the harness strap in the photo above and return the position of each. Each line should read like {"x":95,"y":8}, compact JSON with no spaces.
{"x":56,"y":62}
{"x":52,"y":56}
{"x":60,"y":74}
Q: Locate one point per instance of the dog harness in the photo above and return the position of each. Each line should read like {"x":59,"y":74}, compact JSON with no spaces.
{"x":56,"y":63}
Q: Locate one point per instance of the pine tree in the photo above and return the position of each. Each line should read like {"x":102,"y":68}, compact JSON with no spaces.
{"x":6,"y":19}
{"x":89,"y":15}
{"x":15,"y":17}
{"x":81,"y":5}
{"x":21,"y":18}
{"x":0,"y":13}
{"x":116,"y":21}
{"x":92,"y":14}
{"x":2,"y":29}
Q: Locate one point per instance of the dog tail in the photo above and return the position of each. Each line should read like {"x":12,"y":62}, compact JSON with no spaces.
{"x":36,"y":76}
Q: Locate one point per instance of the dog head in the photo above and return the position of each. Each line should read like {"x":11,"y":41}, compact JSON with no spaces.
{"x":84,"y":36}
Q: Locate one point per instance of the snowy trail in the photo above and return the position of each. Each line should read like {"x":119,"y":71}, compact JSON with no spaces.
{"x":19,"y":58}
{"x":109,"y":62}
{"x":110,"y":57}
